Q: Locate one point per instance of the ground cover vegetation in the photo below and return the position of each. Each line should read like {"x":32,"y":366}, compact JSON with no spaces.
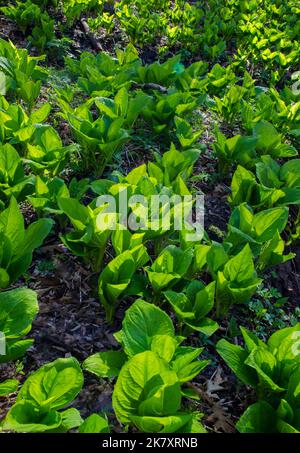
{"x":141,"y":329}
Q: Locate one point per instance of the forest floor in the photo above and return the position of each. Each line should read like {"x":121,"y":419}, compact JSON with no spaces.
{"x":72,"y":322}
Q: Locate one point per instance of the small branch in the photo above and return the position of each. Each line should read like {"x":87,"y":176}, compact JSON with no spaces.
{"x":200,"y":393}
{"x":95,"y":43}
{"x":155,"y":86}
{"x":151,"y":86}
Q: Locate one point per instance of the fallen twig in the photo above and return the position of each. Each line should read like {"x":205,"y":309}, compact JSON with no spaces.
{"x":95,"y":43}
{"x":151,"y":86}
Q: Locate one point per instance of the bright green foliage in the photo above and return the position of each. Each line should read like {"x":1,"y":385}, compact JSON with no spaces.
{"x":191,"y":79}
{"x":147,"y":394}
{"x":236,"y":281}
{"x":18,"y":127}
{"x":93,"y":223}
{"x":261,"y":231}
{"x":166,"y":176}
{"x":73,"y":8}
{"x":122,"y":240}
{"x":165,"y":179}
{"x":23,"y":76}
{"x":246,"y":80}
{"x":31,"y":16}
{"x":144,"y":328}
{"x":45,"y":3}
{"x":192,"y":306}
{"x":220,"y":78}
{"x":173,"y":165}
{"x":261,"y":417}
{"x":234,"y":149}
{"x":269,"y":141}
{"x":103,"y":74}
{"x":271,"y":368}
{"x":9,"y":386}
{"x":185,"y":134}
{"x":123,"y":106}
{"x":143,"y":325}
{"x":247,"y":150}
{"x":266,"y":367}
{"x":47,"y":154}
{"x":24,"y":13}
{"x":245,"y":189}
{"x":207,"y":28}
{"x":162,"y":111}
{"x":200,"y":257}
{"x":89,"y":235}
{"x":229,"y":106}
{"x":3,"y":80}
{"x":94,"y":424}
{"x":267,"y":42}
{"x":118,"y":278}
{"x":12,"y":177}
{"x":42,"y":396}
{"x":177,"y":22}
{"x":18,"y":309}
{"x":18,"y":243}
{"x":105,"y":364}
{"x":277,"y":185}
{"x":285,"y":177}
{"x":169,"y":268}
{"x":47,"y":192}
{"x":99,"y":139}
{"x":161,"y":73}
{"x":157,"y":366}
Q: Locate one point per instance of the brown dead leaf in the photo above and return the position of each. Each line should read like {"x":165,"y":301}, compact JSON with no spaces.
{"x":213,"y":385}
{"x":221,"y":420}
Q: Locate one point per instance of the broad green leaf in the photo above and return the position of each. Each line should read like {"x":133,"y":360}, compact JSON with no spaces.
{"x":15,"y":349}
{"x":54,"y":385}
{"x":293,"y":391}
{"x":12,"y":224}
{"x":70,"y":419}
{"x":77,"y":213}
{"x":267,"y":136}
{"x":35,"y":235}
{"x":9,"y":386}
{"x":186,"y":365}
{"x":235,"y":357}
{"x":143,"y":321}
{"x":146,"y":386}
{"x":204,"y":300}
{"x":170,"y":424}
{"x":25,"y":417}
{"x":258,"y":418}
{"x":266,"y":223}
{"x":164,"y":346}
{"x":18,"y":309}
{"x":205,"y":325}
{"x":277,"y":338}
{"x":251,"y":340}
{"x":41,"y":114}
{"x":105,"y":364}
{"x":3,"y":81}
{"x":264,"y":364}
{"x":240,"y":268}
{"x":94,"y":424}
